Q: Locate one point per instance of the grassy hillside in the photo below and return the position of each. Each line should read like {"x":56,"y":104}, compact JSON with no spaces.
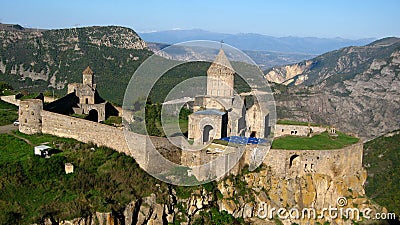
{"x":34,"y":187}
{"x":8,"y":113}
{"x":382,"y":160}
{"x":316,"y":142}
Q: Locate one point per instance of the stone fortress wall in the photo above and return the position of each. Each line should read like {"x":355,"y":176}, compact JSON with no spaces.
{"x":33,"y":119}
{"x":334,"y":162}
{"x":297,"y":130}
{"x":10,"y":99}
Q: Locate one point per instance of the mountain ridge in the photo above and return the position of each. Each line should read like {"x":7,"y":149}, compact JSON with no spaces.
{"x":347,"y":60}
{"x":48,"y":60}
{"x":361,"y":99}
{"x":354,"y":88}
{"x":259,"y":42}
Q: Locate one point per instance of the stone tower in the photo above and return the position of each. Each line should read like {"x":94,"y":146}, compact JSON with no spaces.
{"x":86,"y":90}
{"x":220,"y":77}
{"x":30,"y":118}
{"x":88,"y":77}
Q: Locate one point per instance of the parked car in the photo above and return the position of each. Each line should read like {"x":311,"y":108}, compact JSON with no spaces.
{"x":16,"y":123}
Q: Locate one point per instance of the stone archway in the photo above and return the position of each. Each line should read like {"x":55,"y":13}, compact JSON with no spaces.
{"x":294,"y":161}
{"x":207,"y":131}
{"x":93,"y":115}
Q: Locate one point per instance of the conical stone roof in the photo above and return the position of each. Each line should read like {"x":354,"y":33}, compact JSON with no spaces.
{"x":221,"y":60}
{"x":88,"y":70}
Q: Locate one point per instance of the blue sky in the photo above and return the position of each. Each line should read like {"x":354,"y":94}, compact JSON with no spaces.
{"x":318,"y":18}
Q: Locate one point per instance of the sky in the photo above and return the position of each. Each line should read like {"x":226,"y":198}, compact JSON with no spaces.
{"x":303,"y":18}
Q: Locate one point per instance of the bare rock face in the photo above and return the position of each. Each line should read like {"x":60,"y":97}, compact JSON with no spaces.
{"x":129,"y":212}
{"x":106,"y":219}
{"x":248,"y":196}
{"x":357,"y":91}
{"x":314,"y":190}
{"x":286,"y":74}
{"x":78,"y":221}
{"x":150,"y":212}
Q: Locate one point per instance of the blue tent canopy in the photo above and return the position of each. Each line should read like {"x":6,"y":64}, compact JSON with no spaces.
{"x":244,"y":140}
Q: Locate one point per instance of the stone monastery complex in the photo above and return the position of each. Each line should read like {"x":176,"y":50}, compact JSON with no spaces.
{"x":215,"y":115}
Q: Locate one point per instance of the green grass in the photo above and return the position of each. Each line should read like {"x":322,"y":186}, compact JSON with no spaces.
{"x":80,"y":116}
{"x":12,"y":149}
{"x":183,"y":124}
{"x":113,"y":120}
{"x":8,"y":113}
{"x":319,"y":141}
{"x":38,"y":139}
{"x":6,"y":105}
{"x":32,"y":187}
{"x":29,"y":96}
{"x":382,"y":160}
{"x":292,"y":122}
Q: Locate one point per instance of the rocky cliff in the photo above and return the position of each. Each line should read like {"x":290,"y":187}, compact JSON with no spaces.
{"x":247,"y":198}
{"x":40,"y":60}
{"x":334,"y":180}
{"x":334,"y":66}
{"x":355,"y":89}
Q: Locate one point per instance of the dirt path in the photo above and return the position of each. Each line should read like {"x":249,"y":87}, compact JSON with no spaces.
{"x":24,"y":139}
{"x":8,"y":129}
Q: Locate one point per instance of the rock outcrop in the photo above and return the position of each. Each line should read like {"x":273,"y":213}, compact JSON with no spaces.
{"x":248,"y":197}
{"x":41,"y":59}
{"x":288,"y":74}
{"x":354,"y":89}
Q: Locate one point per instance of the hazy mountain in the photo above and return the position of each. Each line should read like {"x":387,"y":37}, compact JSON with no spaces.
{"x":354,"y":88}
{"x":264,"y":59}
{"x":256,"y":42}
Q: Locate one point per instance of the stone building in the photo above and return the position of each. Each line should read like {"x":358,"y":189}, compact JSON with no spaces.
{"x":83,"y":98}
{"x":69,"y":168}
{"x":90,"y":102}
{"x":222,"y":112}
{"x":30,"y":119}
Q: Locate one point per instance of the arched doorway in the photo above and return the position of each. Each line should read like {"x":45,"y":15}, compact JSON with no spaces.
{"x":206,"y":133}
{"x":93,"y":115}
{"x":294,"y":160}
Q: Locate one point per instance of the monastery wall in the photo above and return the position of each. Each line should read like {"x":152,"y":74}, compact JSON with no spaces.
{"x":296,"y":130}
{"x":284,"y":163}
{"x":335,"y":162}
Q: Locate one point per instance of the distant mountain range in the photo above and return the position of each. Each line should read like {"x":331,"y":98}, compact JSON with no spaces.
{"x":264,"y":59}
{"x":257,"y":42}
{"x":353,"y":88}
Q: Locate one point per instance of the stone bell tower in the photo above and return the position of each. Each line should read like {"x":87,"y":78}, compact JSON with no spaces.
{"x":220,"y":77}
{"x":88,"y":77}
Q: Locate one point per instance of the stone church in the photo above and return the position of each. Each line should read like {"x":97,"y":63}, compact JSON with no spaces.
{"x":83,"y":98}
{"x":222,"y":112}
